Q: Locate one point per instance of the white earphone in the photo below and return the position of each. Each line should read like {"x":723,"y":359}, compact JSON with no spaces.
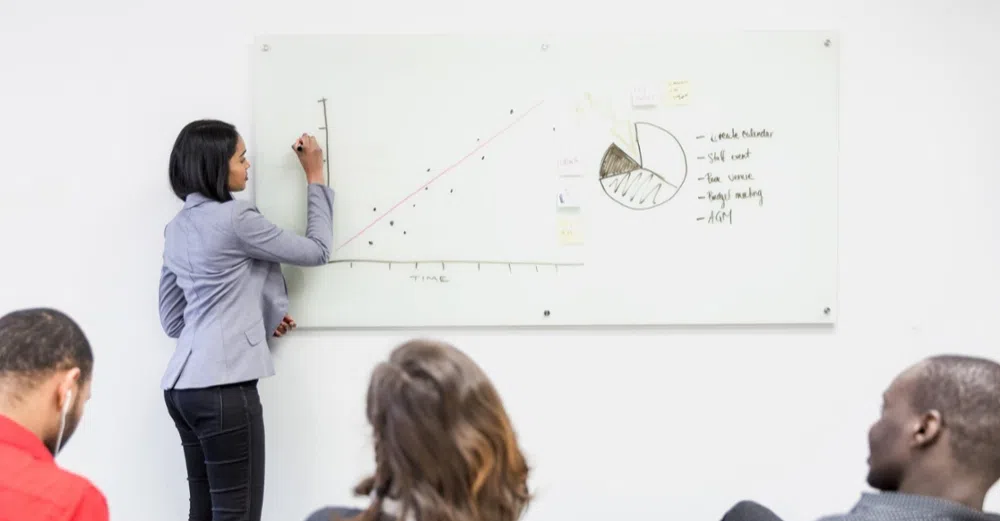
{"x":66,"y":404}
{"x":62,"y":420}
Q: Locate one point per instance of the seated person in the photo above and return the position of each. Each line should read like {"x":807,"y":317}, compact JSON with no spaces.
{"x":934,"y":453}
{"x":45,"y":369}
{"x":445,"y":449}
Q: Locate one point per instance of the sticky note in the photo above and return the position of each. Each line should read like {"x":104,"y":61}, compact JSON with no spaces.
{"x":570,"y":230}
{"x":569,"y":166}
{"x":569,"y":193}
{"x":645,"y":97}
{"x":567,"y":199}
{"x":678,"y":92}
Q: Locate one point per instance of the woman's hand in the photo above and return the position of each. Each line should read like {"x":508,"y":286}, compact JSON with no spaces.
{"x":310,"y":156}
{"x":286,"y":325}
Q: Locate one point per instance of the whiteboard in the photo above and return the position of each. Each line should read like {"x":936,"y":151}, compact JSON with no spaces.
{"x":505,"y":180}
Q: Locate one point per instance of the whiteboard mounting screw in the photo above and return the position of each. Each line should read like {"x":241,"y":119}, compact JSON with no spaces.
{"x":265,"y":47}
{"x":826,"y":311}
{"x":826,"y":43}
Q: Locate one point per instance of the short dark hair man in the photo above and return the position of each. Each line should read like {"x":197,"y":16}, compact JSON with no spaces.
{"x":45,"y":375}
{"x":935,"y":451}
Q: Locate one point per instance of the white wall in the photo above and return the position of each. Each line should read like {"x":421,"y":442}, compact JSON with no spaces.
{"x":659,"y":424}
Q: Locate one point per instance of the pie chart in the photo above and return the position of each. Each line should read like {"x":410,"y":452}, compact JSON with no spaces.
{"x":652,"y":179}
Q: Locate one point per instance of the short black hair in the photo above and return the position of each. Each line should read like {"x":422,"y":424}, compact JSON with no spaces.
{"x":199,"y":161}
{"x":965,"y":390}
{"x":39,"y":341}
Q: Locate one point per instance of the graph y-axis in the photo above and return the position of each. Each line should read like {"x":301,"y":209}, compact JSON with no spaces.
{"x":326,"y":140}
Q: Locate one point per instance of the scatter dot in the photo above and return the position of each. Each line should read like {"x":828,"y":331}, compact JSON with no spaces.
{"x":392,"y":223}
{"x":425,"y":188}
{"x":484,"y":157}
{"x":428,"y":169}
{"x":511,"y":111}
{"x":404,"y":233}
{"x":370,"y":243}
{"x":451,"y":191}
{"x":374,"y":209}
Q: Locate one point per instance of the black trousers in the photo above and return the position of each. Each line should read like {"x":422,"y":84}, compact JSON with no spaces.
{"x":222,"y":432}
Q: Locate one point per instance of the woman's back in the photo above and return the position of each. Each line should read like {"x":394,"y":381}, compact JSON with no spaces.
{"x":203,"y":251}
{"x":221,"y":261}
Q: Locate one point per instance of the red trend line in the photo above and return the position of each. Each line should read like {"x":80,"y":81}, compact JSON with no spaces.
{"x":443,"y":172}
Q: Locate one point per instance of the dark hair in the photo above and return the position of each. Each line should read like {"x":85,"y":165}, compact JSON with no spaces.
{"x":199,"y":161}
{"x":965,"y":390}
{"x":444,"y":446}
{"x":37,"y":342}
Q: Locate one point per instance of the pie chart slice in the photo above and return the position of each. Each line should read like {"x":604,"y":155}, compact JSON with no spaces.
{"x":660,"y":152}
{"x":652,"y":180}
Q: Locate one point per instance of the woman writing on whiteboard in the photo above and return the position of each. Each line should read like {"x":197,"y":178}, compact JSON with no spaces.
{"x":222,"y":295}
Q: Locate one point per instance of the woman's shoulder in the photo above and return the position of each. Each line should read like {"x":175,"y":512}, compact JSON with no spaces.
{"x":222,"y":216}
{"x":334,"y":514}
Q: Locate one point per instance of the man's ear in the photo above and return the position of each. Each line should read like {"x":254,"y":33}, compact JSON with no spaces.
{"x":68,"y":381}
{"x":928,"y":429}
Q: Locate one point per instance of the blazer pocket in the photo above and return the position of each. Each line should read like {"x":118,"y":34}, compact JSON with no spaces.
{"x":256,"y":333}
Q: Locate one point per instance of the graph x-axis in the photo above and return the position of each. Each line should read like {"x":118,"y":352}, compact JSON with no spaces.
{"x":445,"y":262}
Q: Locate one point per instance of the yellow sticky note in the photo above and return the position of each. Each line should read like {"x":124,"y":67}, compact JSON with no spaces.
{"x":678,"y":92}
{"x":570,"y":230}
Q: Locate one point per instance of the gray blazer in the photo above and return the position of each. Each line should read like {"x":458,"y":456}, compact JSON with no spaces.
{"x":222,"y":293}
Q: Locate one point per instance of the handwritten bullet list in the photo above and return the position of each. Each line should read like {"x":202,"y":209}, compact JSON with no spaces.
{"x":728,"y":177}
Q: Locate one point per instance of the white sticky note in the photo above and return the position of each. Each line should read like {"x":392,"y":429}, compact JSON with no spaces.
{"x":570,"y":230}
{"x":569,"y":165}
{"x":567,"y":199}
{"x":645,"y":97}
{"x":678,"y":92}
{"x":570,"y":193}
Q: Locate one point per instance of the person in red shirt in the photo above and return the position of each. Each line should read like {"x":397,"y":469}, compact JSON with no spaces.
{"x":45,"y":368}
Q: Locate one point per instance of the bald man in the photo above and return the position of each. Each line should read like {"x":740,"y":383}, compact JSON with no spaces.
{"x":935,"y":450}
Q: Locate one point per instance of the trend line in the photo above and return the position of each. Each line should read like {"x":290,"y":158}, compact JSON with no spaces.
{"x":443,"y":172}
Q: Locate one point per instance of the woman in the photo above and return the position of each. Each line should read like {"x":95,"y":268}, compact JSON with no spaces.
{"x":221,"y":294}
{"x":444,"y":446}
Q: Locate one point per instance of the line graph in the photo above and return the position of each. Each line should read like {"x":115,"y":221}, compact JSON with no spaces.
{"x":423,"y":186}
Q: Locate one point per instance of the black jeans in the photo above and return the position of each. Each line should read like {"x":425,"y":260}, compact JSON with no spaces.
{"x":222,"y":432}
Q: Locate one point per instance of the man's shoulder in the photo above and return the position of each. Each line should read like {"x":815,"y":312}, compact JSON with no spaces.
{"x":92,"y":505}
{"x":82,"y":497}
{"x":82,"y":493}
{"x":897,"y":506}
{"x":50,"y":488}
